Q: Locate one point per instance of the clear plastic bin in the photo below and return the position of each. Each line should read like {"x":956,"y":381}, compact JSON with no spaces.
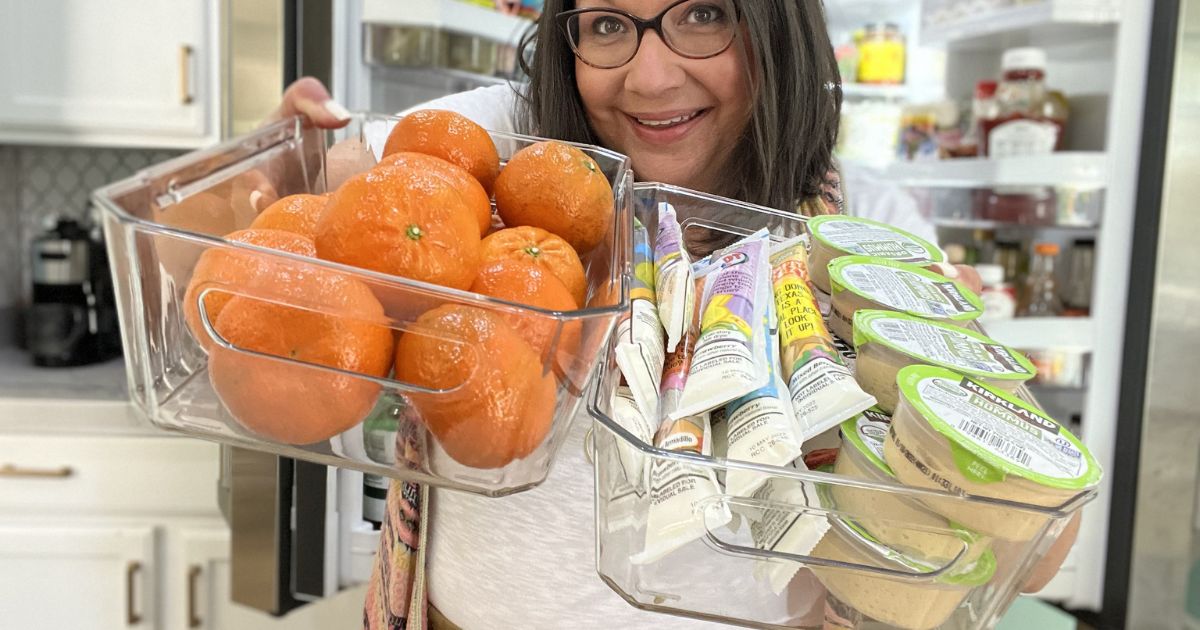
{"x":162,"y":220}
{"x":726,"y":573}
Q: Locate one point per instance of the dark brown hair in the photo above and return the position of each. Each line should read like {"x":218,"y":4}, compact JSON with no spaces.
{"x":787,"y":147}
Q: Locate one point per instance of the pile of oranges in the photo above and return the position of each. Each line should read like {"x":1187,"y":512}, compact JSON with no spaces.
{"x":423,"y":212}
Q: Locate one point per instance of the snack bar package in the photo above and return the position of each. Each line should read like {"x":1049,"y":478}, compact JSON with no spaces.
{"x":640,"y":340}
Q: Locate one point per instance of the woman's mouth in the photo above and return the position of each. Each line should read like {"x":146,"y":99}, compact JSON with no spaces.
{"x":665,"y":126}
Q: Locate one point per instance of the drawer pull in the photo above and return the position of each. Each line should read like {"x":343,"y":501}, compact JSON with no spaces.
{"x":194,"y":620}
{"x":185,"y":74}
{"x":14,"y":471}
{"x":132,"y":618}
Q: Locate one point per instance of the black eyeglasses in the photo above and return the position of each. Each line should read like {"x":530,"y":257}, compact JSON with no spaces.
{"x":610,"y":38}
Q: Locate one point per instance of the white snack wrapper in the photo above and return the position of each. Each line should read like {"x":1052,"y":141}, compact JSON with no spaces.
{"x":672,"y":277}
{"x":823,"y":390}
{"x":639,"y":352}
{"x":793,"y":531}
{"x":730,"y":358}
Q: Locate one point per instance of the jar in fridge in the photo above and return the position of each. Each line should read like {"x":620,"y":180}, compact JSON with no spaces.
{"x":1020,"y":126}
{"x":999,"y":297}
{"x":1041,"y":287}
{"x":881,"y":55}
{"x":1077,"y":295}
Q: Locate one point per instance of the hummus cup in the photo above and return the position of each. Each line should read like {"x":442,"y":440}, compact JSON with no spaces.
{"x":896,"y":521}
{"x":888,"y":342}
{"x":863,"y":282}
{"x":834,"y":236}
{"x":953,"y":433}
{"x":896,"y":601}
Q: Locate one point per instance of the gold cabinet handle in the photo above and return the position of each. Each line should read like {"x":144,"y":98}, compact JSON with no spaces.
{"x":194,"y":620}
{"x":185,"y":74}
{"x":14,"y":471}
{"x":132,"y":618}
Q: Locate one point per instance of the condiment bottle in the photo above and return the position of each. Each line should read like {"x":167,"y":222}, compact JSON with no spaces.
{"x":999,"y":298}
{"x":1041,"y":287}
{"x":1021,"y":126}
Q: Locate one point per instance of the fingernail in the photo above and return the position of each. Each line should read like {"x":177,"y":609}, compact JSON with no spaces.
{"x":336,"y":109}
{"x":255,"y":197}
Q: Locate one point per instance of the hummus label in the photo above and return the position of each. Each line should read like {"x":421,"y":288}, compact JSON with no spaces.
{"x":905,"y":290}
{"x":950,"y":347}
{"x":1022,"y":439}
{"x":868,"y":238}
{"x":872,"y":429}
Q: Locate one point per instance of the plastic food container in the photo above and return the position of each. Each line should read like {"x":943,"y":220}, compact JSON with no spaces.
{"x":726,"y":573}
{"x":896,"y":602}
{"x":861,"y":457}
{"x":862,"y":282}
{"x":956,"y":433}
{"x":162,"y":220}
{"x":834,"y":236}
{"x":887,"y":342}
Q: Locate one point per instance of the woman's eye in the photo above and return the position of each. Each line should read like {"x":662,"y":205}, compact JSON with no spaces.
{"x":607,"y":26}
{"x":704,"y":14}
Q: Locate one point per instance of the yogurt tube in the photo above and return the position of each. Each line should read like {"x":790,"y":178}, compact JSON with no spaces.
{"x":896,"y":521}
{"x":672,"y":277}
{"x":640,"y":339}
{"x":876,"y":283}
{"x":898,"y":602}
{"x":795,"y":529}
{"x":888,"y":341}
{"x":953,"y":433}
{"x":834,"y":236}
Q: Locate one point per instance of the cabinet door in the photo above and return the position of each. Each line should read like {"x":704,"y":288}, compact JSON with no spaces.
{"x":207,"y":604}
{"x":78,"y":578}
{"x":119,"y":68}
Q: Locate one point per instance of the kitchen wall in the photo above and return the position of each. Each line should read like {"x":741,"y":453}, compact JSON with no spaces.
{"x":39,"y":181}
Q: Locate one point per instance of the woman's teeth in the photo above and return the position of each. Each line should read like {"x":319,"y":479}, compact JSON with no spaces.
{"x":669,"y":122}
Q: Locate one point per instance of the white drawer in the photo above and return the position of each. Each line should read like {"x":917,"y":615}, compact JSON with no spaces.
{"x":94,"y":475}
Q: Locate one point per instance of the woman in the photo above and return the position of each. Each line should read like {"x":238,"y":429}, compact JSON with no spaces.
{"x":726,"y":97}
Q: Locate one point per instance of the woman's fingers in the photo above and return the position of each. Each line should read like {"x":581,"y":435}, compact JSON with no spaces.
{"x":309,"y":98}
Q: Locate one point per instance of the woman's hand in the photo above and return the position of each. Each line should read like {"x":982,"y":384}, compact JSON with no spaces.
{"x":309,"y":98}
{"x":508,"y":7}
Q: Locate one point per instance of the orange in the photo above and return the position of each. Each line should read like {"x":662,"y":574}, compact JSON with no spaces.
{"x":501,"y":403}
{"x":450,"y":136}
{"x":542,"y":248}
{"x":228,"y":269}
{"x":559,"y":189}
{"x":523,"y":282}
{"x":295,"y":213}
{"x":405,"y":222}
{"x":341,"y":325}
{"x":468,"y":186}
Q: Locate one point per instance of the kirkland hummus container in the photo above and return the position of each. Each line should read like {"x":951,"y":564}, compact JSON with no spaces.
{"x":863,"y":282}
{"x":834,"y":236}
{"x":887,"y":342}
{"x":953,"y":433}
{"x":892,"y":595}
{"x":902,"y":523}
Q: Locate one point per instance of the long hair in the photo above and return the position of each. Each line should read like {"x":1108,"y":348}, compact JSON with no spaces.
{"x":786,"y":150}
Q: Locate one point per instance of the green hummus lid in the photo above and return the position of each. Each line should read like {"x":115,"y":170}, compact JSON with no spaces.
{"x":994,"y":434}
{"x":974,"y":575}
{"x":944,"y":345}
{"x":858,"y":236}
{"x":904,"y":287}
{"x":867,"y":432}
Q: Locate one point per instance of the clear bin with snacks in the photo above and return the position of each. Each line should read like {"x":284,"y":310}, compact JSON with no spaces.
{"x":844,"y":547}
{"x":165,"y":222}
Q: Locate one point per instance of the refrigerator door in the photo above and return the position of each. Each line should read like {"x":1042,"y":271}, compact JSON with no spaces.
{"x":1166,"y":534}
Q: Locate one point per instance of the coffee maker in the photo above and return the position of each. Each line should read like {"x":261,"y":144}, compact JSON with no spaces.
{"x":72,"y":318}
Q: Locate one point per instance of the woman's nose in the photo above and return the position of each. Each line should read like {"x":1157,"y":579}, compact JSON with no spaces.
{"x":654,"y":69}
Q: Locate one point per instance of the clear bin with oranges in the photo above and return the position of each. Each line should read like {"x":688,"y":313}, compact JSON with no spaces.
{"x":290,"y":292}
{"x":841,"y":547}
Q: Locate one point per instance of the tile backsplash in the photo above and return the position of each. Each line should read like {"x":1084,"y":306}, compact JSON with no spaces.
{"x":37,"y":182}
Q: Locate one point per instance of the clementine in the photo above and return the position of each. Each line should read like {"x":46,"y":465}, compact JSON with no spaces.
{"x":542,"y":248}
{"x":228,"y":269}
{"x":405,"y":222}
{"x":450,"y":136}
{"x":335,"y":322}
{"x":500,"y":406}
{"x":468,"y":186}
{"x":523,"y":282}
{"x":295,"y":213}
{"x":558,"y":188}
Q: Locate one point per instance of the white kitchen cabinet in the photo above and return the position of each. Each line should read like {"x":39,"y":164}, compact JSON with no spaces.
{"x":115,"y":73}
{"x":80,"y":578}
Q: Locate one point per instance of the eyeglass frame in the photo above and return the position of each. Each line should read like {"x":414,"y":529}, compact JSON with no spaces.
{"x":653,"y":24}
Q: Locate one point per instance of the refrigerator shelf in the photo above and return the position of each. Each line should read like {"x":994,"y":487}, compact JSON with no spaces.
{"x":953,"y":24}
{"x":447,"y":15}
{"x":871,"y":91}
{"x":1077,"y":169}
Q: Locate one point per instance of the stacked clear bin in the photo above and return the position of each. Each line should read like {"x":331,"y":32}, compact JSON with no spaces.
{"x":966,"y":585}
{"x":161,"y":221}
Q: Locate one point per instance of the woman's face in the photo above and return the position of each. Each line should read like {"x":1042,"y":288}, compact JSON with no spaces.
{"x":678,"y":119}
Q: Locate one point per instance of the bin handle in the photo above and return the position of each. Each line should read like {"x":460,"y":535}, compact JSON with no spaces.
{"x":392,"y":384}
{"x":913,"y":575}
